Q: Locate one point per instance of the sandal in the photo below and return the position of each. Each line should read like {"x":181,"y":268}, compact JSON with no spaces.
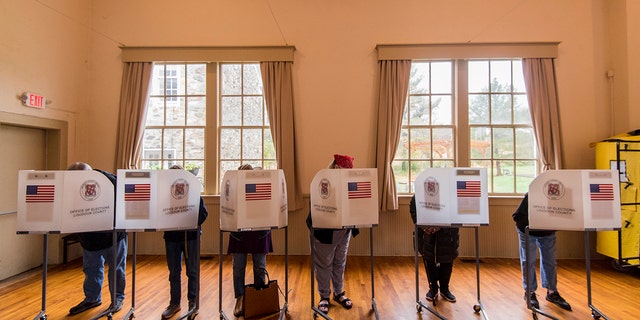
{"x":343,"y":300}
{"x":323,"y":305}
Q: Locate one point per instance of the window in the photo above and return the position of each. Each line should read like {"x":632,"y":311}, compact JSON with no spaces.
{"x":244,"y":125}
{"x":468,"y":113}
{"x":182,"y":121}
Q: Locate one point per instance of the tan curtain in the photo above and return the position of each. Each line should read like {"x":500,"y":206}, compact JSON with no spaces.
{"x":540,"y":81}
{"x":278,"y":91}
{"x":392,"y":95}
{"x":134,"y":93}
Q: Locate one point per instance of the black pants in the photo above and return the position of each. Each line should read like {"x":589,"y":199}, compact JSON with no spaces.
{"x":438,"y":274}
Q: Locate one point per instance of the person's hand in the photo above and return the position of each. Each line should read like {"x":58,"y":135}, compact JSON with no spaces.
{"x":430,"y":230}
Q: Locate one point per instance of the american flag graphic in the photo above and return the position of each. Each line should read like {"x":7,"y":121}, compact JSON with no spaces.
{"x":468,"y":189}
{"x":40,"y":193}
{"x":359,"y":190}
{"x":601,"y":192}
{"x":257,"y":191}
{"x":137,"y":192}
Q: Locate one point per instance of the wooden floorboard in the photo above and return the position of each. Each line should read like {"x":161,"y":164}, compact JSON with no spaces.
{"x":616,"y":294}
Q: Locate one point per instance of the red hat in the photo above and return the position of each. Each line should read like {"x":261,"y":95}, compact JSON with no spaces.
{"x":343,"y":161}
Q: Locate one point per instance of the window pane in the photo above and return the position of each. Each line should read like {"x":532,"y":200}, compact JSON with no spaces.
{"x":252,"y":144}
{"x":501,"y":109}
{"x":419,"y":80}
{"x":443,"y":143}
{"x":175,"y":112}
{"x":502,"y":183}
{"x":196,"y":111}
{"x":419,"y":110}
{"x":251,"y":80}
{"x":525,"y":147}
{"x":231,"y":114}
{"x":480,"y":143}
{"x":155,"y":112}
{"x":521,"y":114}
{"x":478,"y":76}
{"x":501,"y":76}
{"x":197,"y":79}
{"x":175,"y":79}
{"x":485,"y":164}
{"x":231,"y":79}
{"x":173,"y":143}
{"x":416,"y":168}
{"x":252,"y":111}
{"x":525,"y":172}
{"x":403,"y":145}
{"x":441,"y":77}
{"x":420,"y":143}
{"x":503,"y":141}
{"x":518,"y":77}
{"x":401,"y":172}
{"x":157,"y":81}
{"x":442,"y":110}
{"x":478,"y":109}
{"x":194,"y":143}
{"x":269,"y":148}
{"x":152,"y":139}
{"x":230,"y":144}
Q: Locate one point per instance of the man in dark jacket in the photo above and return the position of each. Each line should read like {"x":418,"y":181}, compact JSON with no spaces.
{"x":97,"y":249}
{"x":438,"y":247}
{"x":546,"y":241}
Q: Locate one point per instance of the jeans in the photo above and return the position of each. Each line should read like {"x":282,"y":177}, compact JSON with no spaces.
{"x":547,"y":247}
{"x":239,"y":267}
{"x":175,"y":250}
{"x":93,"y":267}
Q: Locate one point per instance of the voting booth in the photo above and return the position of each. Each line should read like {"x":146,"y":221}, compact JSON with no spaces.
{"x":452,"y":196}
{"x":575,"y":200}
{"x":344,"y":198}
{"x":64,"y":201}
{"x":253,"y":200}
{"x":157,"y":200}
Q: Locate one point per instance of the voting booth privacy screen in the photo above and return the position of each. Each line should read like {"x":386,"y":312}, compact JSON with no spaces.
{"x":64,"y":201}
{"x":342,"y":198}
{"x":157,"y":200}
{"x":253,"y":200}
{"x":575,"y":200}
{"x":452,"y":196}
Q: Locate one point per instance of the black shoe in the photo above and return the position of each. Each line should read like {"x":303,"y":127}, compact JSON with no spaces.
{"x":555,"y":298}
{"x":84,"y":306}
{"x":115,"y":308}
{"x":192,"y":306}
{"x":170,"y":311}
{"x":432,"y":294}
{"x":534,"y":300}
{"x":447,"y":295}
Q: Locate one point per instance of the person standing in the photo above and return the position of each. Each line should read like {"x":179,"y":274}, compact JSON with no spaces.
{"x":329,"y":248}
{"x":545,"y":241}
{"x":439,"y":248}
{"x":178,"y":244}
{"x":97,"y":249}
{"x":241,"y":244}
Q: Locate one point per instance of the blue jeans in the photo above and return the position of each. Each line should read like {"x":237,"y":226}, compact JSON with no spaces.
{"x":93,"y":267}
{"x":547,"y":247}
{"x":174,"y":250}
{"x":239,"y":267}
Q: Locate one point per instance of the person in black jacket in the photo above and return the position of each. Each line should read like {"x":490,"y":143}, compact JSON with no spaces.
{"x":545,"y":240}
{"x":178,"y":243}
{"x":330,"y":248}
{"x":438,"y":247}
{"x":97,"y":249}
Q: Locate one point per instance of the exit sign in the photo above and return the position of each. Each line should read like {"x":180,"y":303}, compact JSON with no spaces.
{"x":33,"y":100}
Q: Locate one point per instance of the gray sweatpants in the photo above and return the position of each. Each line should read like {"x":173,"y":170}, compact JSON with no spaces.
{"x":329,"y":261}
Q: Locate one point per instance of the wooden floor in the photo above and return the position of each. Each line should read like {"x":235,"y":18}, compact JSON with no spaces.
{"x":616,"y":294}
